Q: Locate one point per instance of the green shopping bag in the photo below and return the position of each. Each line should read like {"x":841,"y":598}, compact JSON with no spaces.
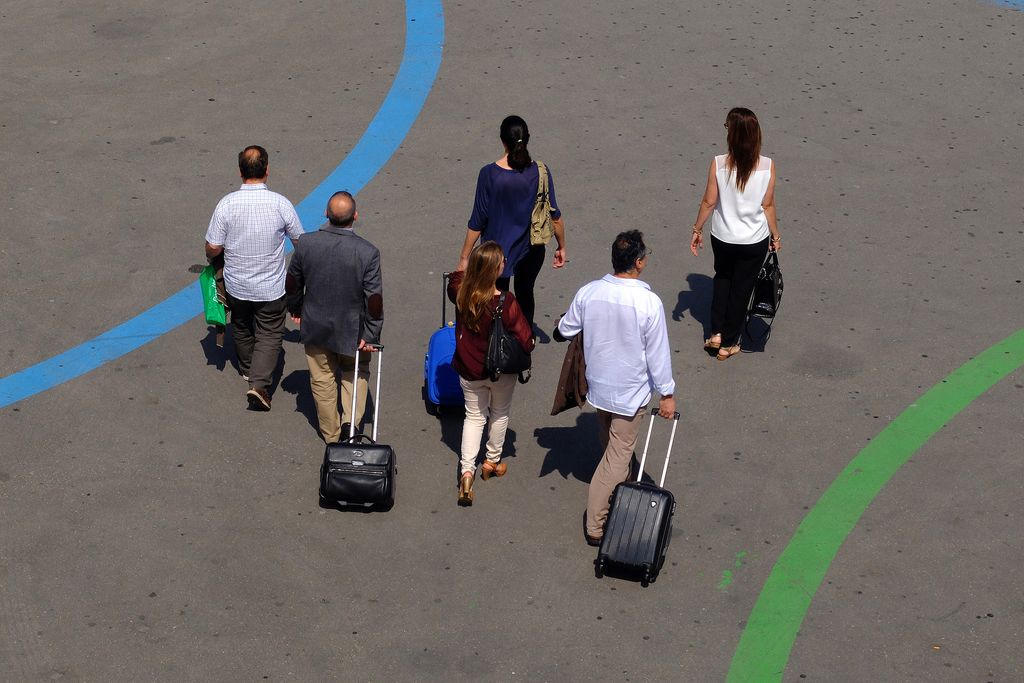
{"x":212,"y":306}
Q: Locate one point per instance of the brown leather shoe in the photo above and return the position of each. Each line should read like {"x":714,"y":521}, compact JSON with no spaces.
{"x":492,"y":469}
{"x":466,"y":489}
{"x":258,"y":399}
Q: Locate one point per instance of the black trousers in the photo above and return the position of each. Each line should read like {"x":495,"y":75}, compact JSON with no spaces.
{"x":257,"y":327}
{"x":736,"y":267}
{"x":525,"y":273}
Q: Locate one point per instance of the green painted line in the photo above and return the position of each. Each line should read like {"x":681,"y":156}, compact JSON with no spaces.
{"x":767,"y":639}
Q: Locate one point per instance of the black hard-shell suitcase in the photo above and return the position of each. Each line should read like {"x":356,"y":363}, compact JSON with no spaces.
{"x":639,"y":525}
{"x":359,"y":471}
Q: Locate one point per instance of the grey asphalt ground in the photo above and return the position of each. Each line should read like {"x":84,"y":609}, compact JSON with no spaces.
{"x":153,"y":529}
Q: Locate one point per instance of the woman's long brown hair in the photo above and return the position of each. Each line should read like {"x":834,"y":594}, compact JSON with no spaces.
{"x":477,"y":288}
{"x":744,"y":138}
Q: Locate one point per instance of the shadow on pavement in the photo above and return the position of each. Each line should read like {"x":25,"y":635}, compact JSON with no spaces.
{"x":756,"y":333}
{"x":696,"y":300}
{"x":216,"y":356}
{"x":297,"y":384}
{"x":571,"y":450}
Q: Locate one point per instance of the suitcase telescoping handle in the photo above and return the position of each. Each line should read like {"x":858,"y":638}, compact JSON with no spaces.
{"x":444,"y":297}
{"x":376,"y":392}
{"x":643,"y":458}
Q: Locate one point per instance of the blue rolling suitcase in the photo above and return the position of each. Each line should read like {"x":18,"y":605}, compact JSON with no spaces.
{"x":440,"y":381}
{"x":639,"y":525}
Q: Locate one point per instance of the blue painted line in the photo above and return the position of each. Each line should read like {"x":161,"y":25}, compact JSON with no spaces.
{"x":421,"y":59}
{"x":1012,"y":4}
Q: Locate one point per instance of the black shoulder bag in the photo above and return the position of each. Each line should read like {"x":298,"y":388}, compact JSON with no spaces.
{"x":767,"y":295}
{"x":505,"y":355}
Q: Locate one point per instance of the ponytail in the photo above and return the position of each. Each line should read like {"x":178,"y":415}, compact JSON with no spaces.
{"x":516,"y":135}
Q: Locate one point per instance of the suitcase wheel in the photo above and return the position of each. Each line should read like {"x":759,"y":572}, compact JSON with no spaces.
{"x":429,"y":405}
{"x":645,"y":578}
{"x":599,"y":567}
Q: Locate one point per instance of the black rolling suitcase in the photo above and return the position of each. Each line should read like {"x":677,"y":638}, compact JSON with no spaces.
{"x":358,"y":471}
{"x":639,"y":525}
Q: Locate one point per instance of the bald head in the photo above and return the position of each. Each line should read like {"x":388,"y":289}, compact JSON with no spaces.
{"x":253,"y":162}
{"x":341,"y":209}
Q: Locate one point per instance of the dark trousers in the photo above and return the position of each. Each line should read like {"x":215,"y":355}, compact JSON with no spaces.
{"x":257,"y":327}
{"x":736,"y":267}
{"x":525,"y":273}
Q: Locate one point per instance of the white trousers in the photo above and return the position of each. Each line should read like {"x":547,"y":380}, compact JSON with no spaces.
{"x":484,"y":399}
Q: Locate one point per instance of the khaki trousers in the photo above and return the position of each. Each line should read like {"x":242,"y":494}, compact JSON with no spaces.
{"x":324,"y":368}
{"x":618,"y":435}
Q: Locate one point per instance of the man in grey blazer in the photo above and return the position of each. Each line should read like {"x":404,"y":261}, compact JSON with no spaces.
{"x":335,"y":294}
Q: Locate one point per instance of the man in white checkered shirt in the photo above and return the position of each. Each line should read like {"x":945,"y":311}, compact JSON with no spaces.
{"x":249,"y":227}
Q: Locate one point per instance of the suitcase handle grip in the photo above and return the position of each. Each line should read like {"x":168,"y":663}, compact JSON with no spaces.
{"x":654,"y":411}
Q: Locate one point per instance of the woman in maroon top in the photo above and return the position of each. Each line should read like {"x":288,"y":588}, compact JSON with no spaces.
{"x":475,"y":295}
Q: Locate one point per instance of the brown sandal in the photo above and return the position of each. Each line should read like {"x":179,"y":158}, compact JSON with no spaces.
{"x":727,"y":352}
{"x":712,"y":346}
{"x":492,"y":469}
{"x":466,"y":489}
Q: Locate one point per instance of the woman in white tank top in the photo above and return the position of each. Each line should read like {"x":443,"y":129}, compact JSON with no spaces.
{"x":740,"y":199}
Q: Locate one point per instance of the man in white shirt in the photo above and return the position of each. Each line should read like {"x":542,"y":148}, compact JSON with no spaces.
{"x":249,"y":226}
{"x":627,"y":353}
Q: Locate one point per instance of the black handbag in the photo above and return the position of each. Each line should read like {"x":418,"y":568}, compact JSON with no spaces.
{"x":767,"y":294}
{"x":505,"y":355}
{"x":766,"y":297}
{"x":358,"y":471}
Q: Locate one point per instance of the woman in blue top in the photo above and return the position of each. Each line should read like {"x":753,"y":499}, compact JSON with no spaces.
{"x":506,"y":192}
